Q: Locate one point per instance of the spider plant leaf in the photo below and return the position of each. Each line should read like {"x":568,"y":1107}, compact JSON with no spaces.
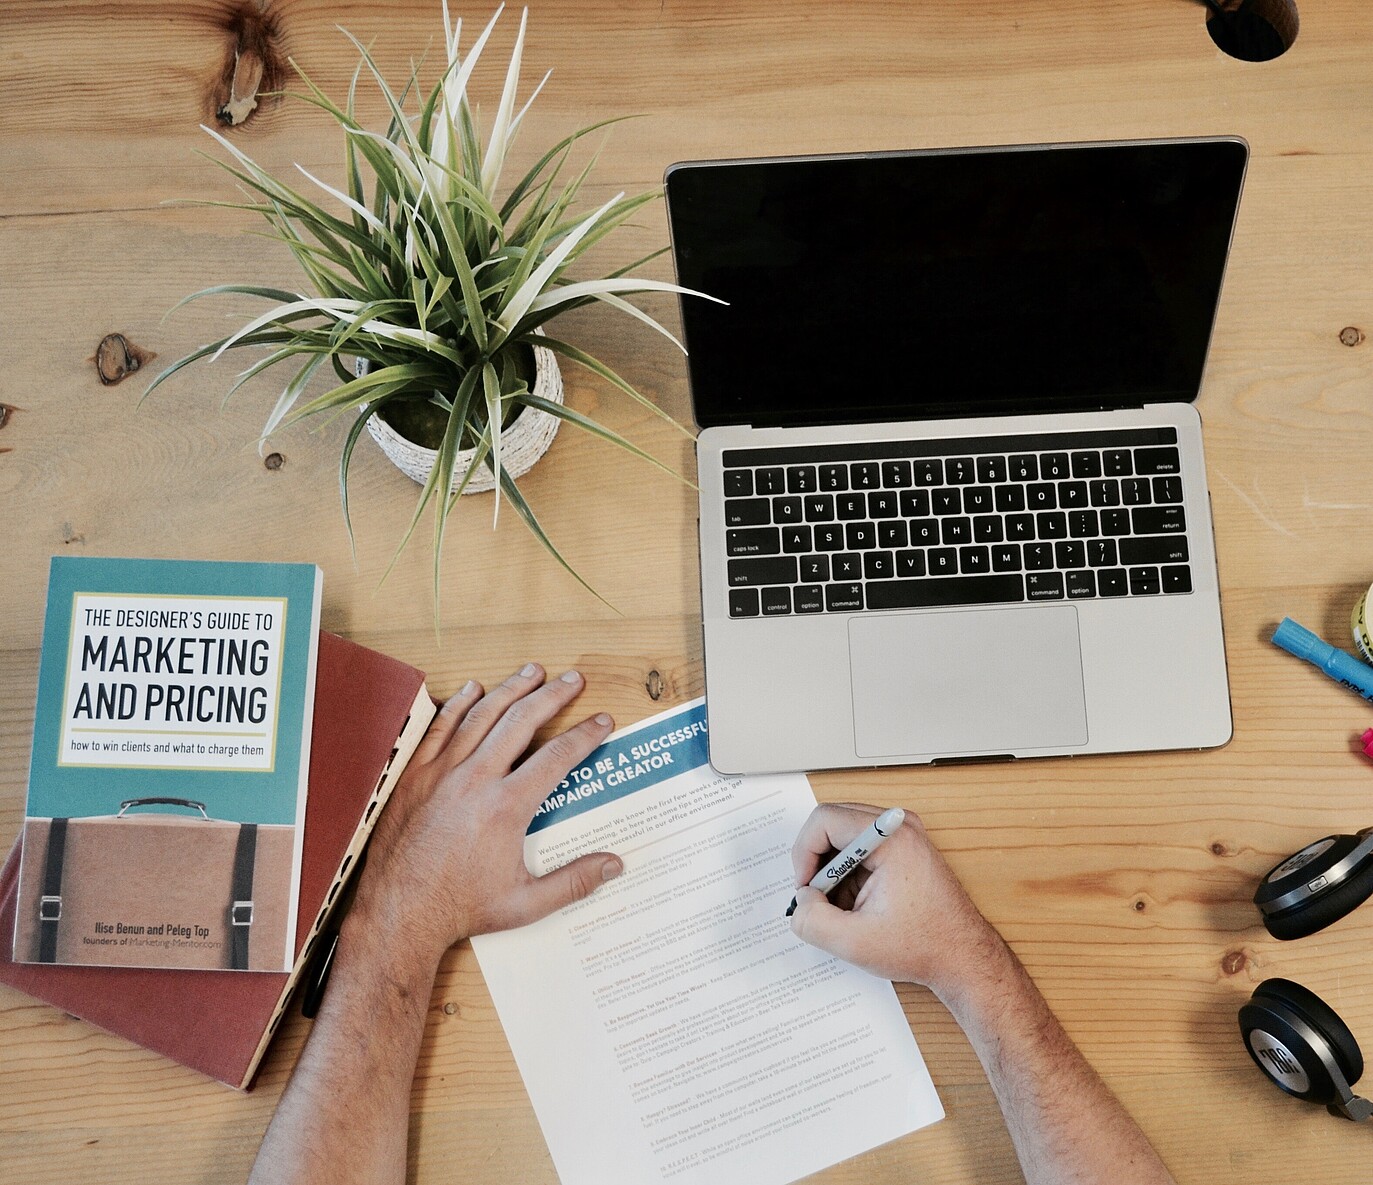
{"x":594,"y":288}
{"x":491,"y":388}
{"x":361,"y":389}
{"x":290,"y":311}
{"x":262,"y":338}
{"x":598,"y":367}
{"x":358,"y":209}
{"x":568,"y":415}
{"x":349,"y":443}
{"x":498,"y":140}
{"x":278,"y":294}
{"x":531,"y":178}
{"x":291,"y":393}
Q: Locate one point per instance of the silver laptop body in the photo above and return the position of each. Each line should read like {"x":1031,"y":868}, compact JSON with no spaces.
{"x":974,"y":327}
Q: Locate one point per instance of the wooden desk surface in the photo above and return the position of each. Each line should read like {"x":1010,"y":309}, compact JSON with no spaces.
{"x":1123,"y":882}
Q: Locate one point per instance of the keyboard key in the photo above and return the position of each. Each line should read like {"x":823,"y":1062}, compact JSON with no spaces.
{"x":845,"y":598}
{"x":815,"y":569}
{"x":1044,"y":586}
{"x":1051,"y":525}
{"x":974,"y":560}
{"x":771,"y":481}
{"x":753,"y":541}
{"x":1086,"y":465}
{"x":1134,"y":491}
{"x":865,"y":475}
{"x":882,"y":504}
{"x":987,"y":528}
{"x":959,"y":471}
{"x":860,"y":536}
{"x":847,"y":565}
{"x":1020,"y":527}
{"x":915,"y":503}
{"x":956,"y":530}
{"x":743,"y":602}
{"x":1072,"y":494}
{"x":808,"y":598}
{"x":896,"y":475}
{"x":848,"y":506}
{"x":1154,"y":549}
{"x":1116,"y":522}
{"x":1009,"y":499}
{"x":991,"y":470}
{"x":769,"y":570}
{"x":834,"y":478}
{"x":1083,"y":524}
{"x":977,"y":500}
{"x":878,"y":565}
{"x":800,"y":480}
{"x":1070,"y":554}
{"x":1006,"y":558}
{"x":1053,"y":465}
{"x":892,"y":534}
{"x":954,"y":590}
{"x":819,"y":508}
{"x":1110,"y":582}
{"x":1105,"y":492}
{"x":738,"y":483}
{"x":942,"y":561}
{"x":1025,"y":468}
{"x":747,"y":512}
{"x":1144,"y":582}
{"x":1039,"y":557}
{"x":1081,"y":583}
{"x":1101,"y":553}
{"x":1177,"y":578}
{"x":910,"y":563}
{"x":1158,"y":520}
{"x":776,"y":601}
{"x":786,"y":510}
{"x":928,"y":472}
{"x":796,"y":539}
{"x":1167,"y":489}
{"x":1116,"y":462}
{"x":1042,"y":496}
{"x":946,"y":501}
{"x":1157,"y":460}
{"x":924,"y":532}
{"x":829,"y":538}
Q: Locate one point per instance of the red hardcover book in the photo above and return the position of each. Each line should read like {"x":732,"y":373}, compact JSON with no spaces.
{"x":370,"y":713}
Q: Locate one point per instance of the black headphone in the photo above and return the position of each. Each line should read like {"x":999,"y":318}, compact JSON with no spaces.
{"x":1294,"y":1037}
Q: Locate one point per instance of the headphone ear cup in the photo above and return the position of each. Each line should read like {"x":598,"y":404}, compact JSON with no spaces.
{"x":1319,"y":1016}
{"x":1311,"y":916}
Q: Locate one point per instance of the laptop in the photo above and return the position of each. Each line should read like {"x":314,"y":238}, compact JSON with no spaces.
{"x":953,"y":502}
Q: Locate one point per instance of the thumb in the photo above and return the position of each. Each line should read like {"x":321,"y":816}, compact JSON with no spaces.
{"x":573,"y":881}
{"x":824,"y":925}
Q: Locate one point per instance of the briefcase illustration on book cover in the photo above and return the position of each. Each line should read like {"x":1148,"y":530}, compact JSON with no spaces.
{"x":169,"y":888}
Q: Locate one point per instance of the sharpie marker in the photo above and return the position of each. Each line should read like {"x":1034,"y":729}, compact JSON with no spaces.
{"x":868,"y":841}
{"x":1296,"y":639}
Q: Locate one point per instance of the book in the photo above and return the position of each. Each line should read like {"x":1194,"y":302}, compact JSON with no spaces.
{"x":170,"y":764}
{"x":370,"y":713}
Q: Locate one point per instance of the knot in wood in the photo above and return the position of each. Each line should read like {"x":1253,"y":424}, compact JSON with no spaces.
{"x":1351,"y":335}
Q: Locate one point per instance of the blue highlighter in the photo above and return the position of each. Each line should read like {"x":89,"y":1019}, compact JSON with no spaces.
{"x":1299,"y":640}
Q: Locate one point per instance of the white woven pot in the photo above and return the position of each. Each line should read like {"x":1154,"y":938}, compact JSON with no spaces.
{"x":523,"y":441}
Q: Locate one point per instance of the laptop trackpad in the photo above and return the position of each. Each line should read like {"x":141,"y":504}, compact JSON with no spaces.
{"x":968,"y":681}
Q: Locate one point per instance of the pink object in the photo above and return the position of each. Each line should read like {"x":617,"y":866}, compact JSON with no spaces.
{"x":1368,"y":742}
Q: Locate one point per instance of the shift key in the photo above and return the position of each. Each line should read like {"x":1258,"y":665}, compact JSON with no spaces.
{"x":770,"y":570}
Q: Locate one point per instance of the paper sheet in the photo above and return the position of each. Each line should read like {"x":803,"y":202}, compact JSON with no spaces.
{"x":670,"y":1027}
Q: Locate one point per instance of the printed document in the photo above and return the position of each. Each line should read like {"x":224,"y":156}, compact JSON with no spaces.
{"x":670,"y":1027}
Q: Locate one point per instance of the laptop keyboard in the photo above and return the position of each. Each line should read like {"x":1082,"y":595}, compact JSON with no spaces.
{"x":978,"y":521}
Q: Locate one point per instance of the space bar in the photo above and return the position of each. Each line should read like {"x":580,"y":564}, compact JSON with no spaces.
{"x":944,"y":590}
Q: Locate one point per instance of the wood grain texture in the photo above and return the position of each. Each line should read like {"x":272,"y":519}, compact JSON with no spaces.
{"x":1123,"y":882}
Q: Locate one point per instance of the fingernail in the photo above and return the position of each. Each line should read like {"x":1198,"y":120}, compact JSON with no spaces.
{"x":611,"y":869}
{"x":469,"y":687}
{"x":571,"y":677}
{"x":529,"y":670}
{"x":603,"y":720}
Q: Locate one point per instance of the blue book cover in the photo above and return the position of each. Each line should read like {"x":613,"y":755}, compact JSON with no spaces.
{"x":170,"y":760}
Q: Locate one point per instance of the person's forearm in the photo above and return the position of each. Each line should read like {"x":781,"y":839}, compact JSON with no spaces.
{"x":345,"y":1112}
{"x":1066,"y":1125}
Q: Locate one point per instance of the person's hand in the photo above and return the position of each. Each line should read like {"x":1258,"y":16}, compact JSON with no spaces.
{"x":902,"y":914}
{"x":447,"y":858}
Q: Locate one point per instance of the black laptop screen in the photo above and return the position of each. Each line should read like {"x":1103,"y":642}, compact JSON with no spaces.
{"x":980,"y":281}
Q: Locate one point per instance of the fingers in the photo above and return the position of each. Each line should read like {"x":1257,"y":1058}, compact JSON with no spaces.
{"x":826,"y":926}
{"x":831,"y":826}
{"x":473,"y":722}
{"x":555,"y":759}
{"x":533,"y":707}
{"x":572,"y":882}
{"x":446,"y":722}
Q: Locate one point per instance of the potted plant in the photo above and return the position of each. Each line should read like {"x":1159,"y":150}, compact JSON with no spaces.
{"x":438,"y":285}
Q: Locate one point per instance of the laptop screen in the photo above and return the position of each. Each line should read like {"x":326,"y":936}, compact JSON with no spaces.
{"x":955,"y":282}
